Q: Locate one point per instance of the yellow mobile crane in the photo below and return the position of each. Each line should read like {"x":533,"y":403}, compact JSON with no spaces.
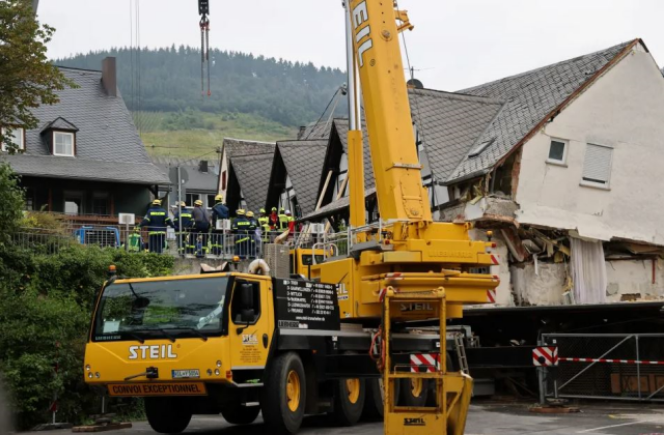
{"x":237,"y":343}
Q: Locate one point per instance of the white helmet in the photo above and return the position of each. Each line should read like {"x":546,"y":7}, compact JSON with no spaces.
{"x":287,"y":212}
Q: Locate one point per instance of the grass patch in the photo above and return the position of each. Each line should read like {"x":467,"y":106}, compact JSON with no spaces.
{"x":196,"y":134}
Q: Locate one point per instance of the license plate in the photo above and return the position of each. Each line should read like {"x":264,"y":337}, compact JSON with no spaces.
{"x":157,"y":389}
{"x":184,"y":374}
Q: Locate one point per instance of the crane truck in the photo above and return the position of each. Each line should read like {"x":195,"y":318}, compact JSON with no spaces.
{"x":347,"y":341}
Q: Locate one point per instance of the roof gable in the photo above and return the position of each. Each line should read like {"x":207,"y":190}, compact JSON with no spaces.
{"x":60,"y":124}
{"x":304,"y":162}
{"x":530,"y":98}
{"x":252,"y":174}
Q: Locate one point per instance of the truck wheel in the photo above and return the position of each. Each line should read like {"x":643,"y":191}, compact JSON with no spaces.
{"x":239,"y":414}
{"x":349,"y":400}
{"x":374,"y":403}
{"x":167,"y":415}
{"x":283,"y":398}
{"x":414,"y":392}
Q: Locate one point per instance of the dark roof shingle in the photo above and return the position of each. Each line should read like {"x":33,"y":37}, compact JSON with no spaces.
{"x":108,"y":146}
{"x":304,"y":161}
{"x":529,"y":98}
{"x":253,"y":173}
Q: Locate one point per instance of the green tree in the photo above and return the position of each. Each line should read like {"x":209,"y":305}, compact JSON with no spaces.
{"x":27,"y":78}
{"x":11,"y":203}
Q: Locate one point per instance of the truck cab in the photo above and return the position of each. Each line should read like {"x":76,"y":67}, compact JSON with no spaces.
{"x":188,"y":339}
{"x":302,"y":260}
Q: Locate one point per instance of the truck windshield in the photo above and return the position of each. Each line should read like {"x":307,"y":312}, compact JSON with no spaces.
{"x":161,"y":309}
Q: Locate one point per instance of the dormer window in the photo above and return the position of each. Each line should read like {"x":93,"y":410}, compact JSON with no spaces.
{"x":63,"y":143}
{"x":61,"y":137}
{"x":15,"y":135}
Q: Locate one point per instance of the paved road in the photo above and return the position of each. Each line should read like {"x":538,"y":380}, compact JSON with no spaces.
{"x":488,"y":418}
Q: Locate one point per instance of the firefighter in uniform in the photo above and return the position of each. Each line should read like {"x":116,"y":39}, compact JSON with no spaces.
{"x":220,"y":212}
{"x":201,"y":225}
{"x":252,"y":234}
{"x":263,"y":222}
{"x":283,"y":221}
{"x":156,"y":220}
{"x":183,"y":227}
{"x":240,"y":228}
{"x":290,"y":221}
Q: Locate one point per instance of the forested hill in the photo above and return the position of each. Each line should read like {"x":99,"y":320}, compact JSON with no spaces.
{"x":169,"y":80}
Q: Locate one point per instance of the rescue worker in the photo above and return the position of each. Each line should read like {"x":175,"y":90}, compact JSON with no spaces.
{"x":263,"y":222}
{"x":134,"y":241}
{"x":290,"y":222}
{"x":273,"y":219}
{"x":183,"y":225}
{"x":282,"y":221}
{"x":253,"y":226}
{"x":240,"y":229}
{"x":201,"y":225}
{"x":220,"y":212}
{"x":156,"y":220}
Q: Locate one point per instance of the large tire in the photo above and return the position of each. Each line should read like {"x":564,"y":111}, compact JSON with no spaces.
{"x":283,"y":397}
{"x":239,"y":414}
{"x":374,"y":403}
{"x":167,"y":415}
{"x":349,"y":400}
{"x":414,"y":392}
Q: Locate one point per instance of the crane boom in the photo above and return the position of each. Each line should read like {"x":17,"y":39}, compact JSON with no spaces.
{"x":400,"y":193}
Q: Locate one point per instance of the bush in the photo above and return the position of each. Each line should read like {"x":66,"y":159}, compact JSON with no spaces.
{"x":45,"y":305}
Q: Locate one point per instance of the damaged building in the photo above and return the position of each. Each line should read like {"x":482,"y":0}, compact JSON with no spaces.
{"x":568,"y":176}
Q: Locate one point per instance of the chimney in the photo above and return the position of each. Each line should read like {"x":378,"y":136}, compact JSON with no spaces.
{"x":203,"y":166}
{"x":109,"y":76}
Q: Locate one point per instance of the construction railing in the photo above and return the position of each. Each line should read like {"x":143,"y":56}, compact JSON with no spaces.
{"x":628,"y":367}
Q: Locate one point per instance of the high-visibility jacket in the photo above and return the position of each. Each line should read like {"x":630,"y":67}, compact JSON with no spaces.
{"x":283,"y":221}
{"x":134,"y":243}
{"x":185,"y":215}
{"x":240,"y":227}
{"x":157,"y":220}
{"x":266,"y":228}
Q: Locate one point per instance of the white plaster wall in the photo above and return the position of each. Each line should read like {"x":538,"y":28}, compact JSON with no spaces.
{"x":623,"y":109}
{"x":635,"y":277}
{"x":544,"y":288}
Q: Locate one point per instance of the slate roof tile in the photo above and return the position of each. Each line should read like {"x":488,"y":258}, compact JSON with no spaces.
{"x":304,"y":161}
{"x":107,"y":143}
{"x":253,"y":173}
{"x":529,"y":97}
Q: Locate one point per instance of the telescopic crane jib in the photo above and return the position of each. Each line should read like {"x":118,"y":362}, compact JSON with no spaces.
{"x":205,"y":54}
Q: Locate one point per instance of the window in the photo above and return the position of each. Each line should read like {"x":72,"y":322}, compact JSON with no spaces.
{"x":100,"y":204}
{"x":557,"y":152}
{"x":245,"y":309}
{"x":211,"y":200}
{"x":597,"y":165}
{"x":63,"y":144}
{"x":15,"y":136}
{"x":190,"y":198}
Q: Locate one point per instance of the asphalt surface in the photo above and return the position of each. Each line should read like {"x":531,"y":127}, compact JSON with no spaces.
{"x":488,"y":418}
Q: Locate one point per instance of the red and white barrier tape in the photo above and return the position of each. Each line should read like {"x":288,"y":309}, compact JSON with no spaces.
{"x":609,"y":361}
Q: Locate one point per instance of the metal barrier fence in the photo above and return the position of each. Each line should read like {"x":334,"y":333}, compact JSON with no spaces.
{"x":628,"y":367}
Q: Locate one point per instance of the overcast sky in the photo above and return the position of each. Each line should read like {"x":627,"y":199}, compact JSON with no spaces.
{"x":455,"y":43}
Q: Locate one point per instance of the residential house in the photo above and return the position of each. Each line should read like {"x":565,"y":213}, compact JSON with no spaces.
{"x":245,"y":169}
{"x":199,"y":180}
{"x":295,"y":176}
{"x":85,"y":159}
{"x":562,"y":163}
